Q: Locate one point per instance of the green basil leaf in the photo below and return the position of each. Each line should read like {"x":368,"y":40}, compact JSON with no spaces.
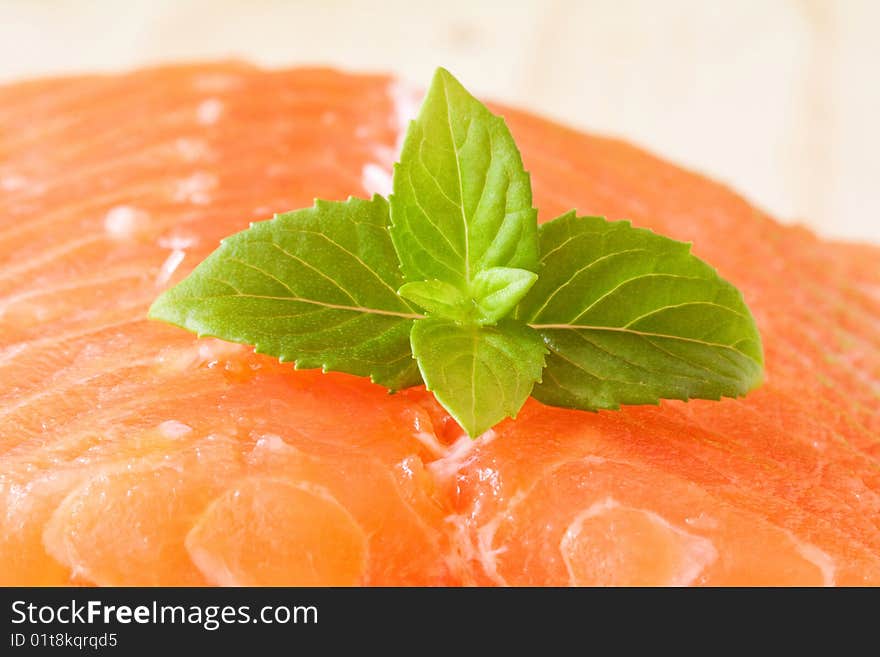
{"x":462,"y":202}
{"x":631,"y":317}
{"x":497,"y":291}
{"x":316,"y":286}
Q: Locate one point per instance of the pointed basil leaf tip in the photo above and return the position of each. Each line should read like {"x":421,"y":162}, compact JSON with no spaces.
{"x":631,"y":317}
{"x":461,"y":202}
{"x":316,"y":286}
{"x":480,"y":374}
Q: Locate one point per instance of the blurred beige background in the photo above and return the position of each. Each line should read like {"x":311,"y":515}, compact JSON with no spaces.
{"x":778,"y":98}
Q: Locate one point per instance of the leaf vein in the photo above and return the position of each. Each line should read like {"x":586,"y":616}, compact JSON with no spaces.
{"x":464,"y":219}
{"x":626,"y":282}
{"x":339,"y":246}
{"x":576,"y":327}
{"x":682,"y":305}
{"x":577,"y":273}
{"x":360,"y":309}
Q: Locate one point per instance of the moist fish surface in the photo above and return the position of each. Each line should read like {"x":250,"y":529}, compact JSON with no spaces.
{"x":132,"y":453}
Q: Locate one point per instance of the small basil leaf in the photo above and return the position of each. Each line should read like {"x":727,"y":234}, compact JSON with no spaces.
{"x":438,"y":298}
{"x":496,"y":291}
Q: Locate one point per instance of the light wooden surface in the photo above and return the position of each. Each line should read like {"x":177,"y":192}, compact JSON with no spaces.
{"x":780,"y":99}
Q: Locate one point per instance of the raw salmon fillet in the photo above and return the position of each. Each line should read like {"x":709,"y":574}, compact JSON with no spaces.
{"x":133,"y":453}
